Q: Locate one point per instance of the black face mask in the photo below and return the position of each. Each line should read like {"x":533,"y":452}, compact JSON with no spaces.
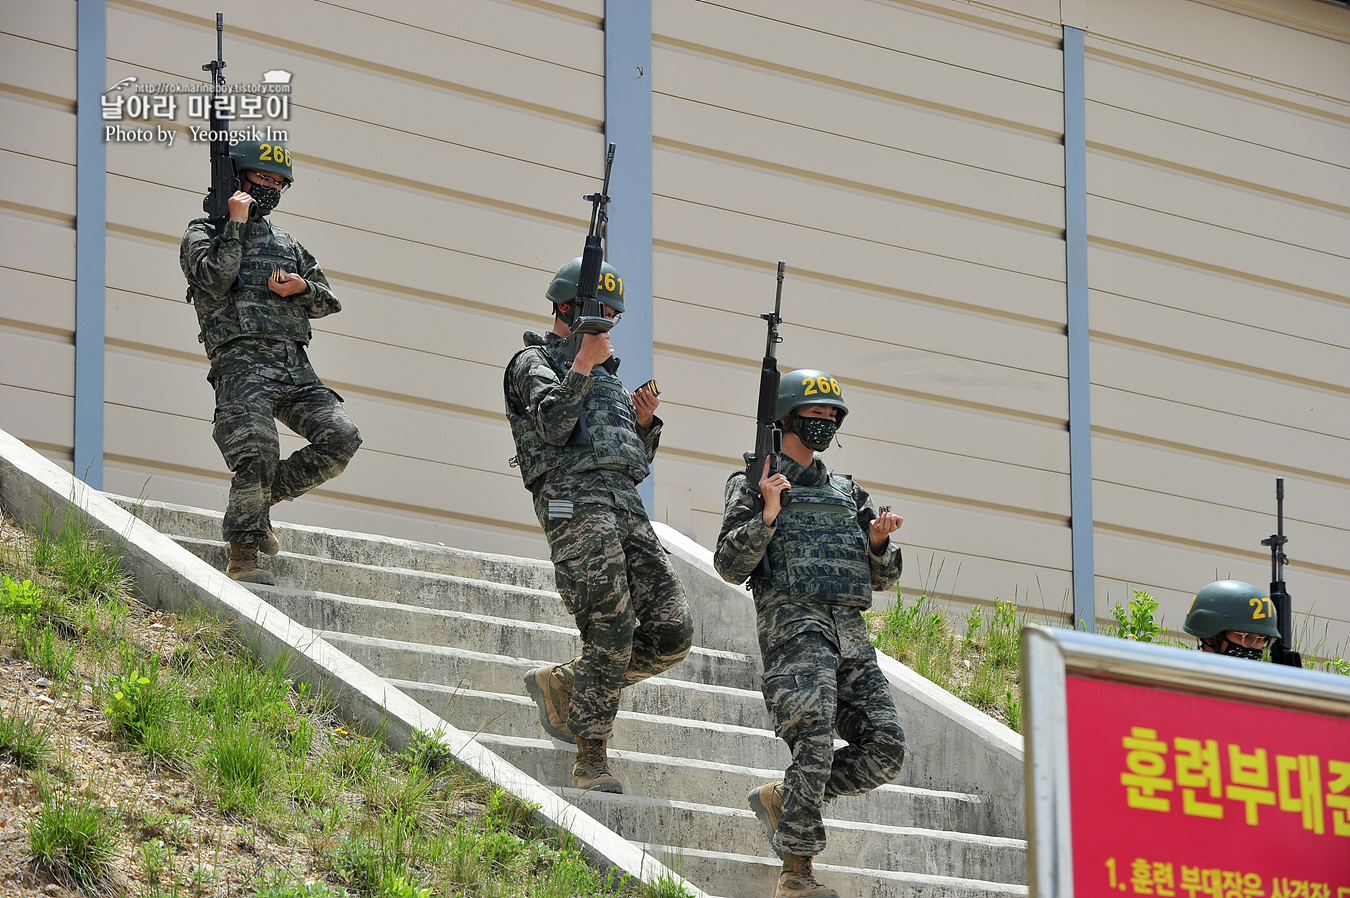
{"x":264,"y":198}
{"x":816,"y":433}
{"x":1233,"y":650}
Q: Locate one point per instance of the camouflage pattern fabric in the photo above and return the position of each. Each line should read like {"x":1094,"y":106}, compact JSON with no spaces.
{"x":246,"y":404}
{"x":256,"y":340}
{"x":544,"y":400}
{"x":820,"y":670}
{"x":813,"y":690}
{"x":616,"y":581}
{"x":610,"y":568}
{"x":227,"y":267}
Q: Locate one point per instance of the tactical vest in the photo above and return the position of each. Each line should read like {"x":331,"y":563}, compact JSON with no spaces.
{"x":250,"y":309}
{"x":818,"y":552}
{"x":611,"y":423}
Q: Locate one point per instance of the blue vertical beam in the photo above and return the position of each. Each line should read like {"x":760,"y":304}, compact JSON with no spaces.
{"x":628,"y":124}
{"x":91,"y":165}
{"x":1080,"y":412}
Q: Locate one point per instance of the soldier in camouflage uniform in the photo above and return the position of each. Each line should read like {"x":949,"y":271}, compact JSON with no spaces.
{"x":583,"y":445}
{"x":255,"y":288}
{"x":826,"y":550}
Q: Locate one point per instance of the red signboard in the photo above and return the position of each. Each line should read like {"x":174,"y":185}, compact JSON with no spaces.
{"x":1179,"y":795}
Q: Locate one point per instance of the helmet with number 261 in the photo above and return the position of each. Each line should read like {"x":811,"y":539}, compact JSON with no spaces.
{"x":563,"y":288}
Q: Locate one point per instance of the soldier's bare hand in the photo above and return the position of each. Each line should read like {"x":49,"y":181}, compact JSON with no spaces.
{"x":595,"y":348}
{"x":287,"y":284}
{"x":646,"y":407}
{"x":238,"y":205}
{"x":771,"y":487}
{"x":883,"y":525}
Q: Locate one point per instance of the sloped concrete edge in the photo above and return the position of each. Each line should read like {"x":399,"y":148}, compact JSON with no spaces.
{"x":953,"y":746}
{"x":168,"y":576}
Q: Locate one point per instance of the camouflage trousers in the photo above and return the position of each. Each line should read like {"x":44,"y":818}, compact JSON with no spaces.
{"x":813,"y":694}
{"x":246,"y":433}
{"x":616,"y":581}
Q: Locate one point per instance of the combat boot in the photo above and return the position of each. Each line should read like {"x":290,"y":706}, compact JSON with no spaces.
{"x":243,"y":566}
{"x":269,"y":544}
{"x":798,"y":881}
{"x":767,"y":803}
{"x":553,"y":697}
{"x":591,"y":770}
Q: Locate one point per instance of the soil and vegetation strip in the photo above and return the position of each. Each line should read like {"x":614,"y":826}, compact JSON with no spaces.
{"x":146,"y":754}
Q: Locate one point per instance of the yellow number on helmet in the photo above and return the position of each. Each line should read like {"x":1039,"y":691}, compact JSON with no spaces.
{"x":265,"y":154}
{"x":823,"y":383}
{"x":834,"y":387}
{"x":609,"y":282}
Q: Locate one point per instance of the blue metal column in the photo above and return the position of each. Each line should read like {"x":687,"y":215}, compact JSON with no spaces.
{"x":628,"y":125}
{"x":1080,"y":385}
{"x":91,"y":164}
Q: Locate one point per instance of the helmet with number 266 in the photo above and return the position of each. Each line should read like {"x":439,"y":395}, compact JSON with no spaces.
{"x":268,"y":156}
{"x":807,"y":386}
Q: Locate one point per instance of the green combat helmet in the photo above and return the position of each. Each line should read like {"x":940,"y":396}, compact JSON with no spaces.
{"x":269,"y":156}
{"x":563,"y":289}
{"x":807,"y":386}
{"x":1226,"y":605}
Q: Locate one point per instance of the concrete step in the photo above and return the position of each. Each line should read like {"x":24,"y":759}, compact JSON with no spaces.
{"x":492,"y":635}
{"x":344,"y":545}
{"x":450,"y":668}
{"x":723,"y":873}
{"x":406,"y":586}
{"x":713,"y":828}
{"x":727,"y":785}
{"x":517,"y":715}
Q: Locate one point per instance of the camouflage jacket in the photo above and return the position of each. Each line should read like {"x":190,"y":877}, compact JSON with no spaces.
{"x":227,"y":268}
{"x":544,"y":401}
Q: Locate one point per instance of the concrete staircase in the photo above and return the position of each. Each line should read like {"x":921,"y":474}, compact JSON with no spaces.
{"x":457,"y":630}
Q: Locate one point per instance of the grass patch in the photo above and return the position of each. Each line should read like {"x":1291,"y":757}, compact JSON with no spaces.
{"x":22,"y":741}
{"x":979,"y":660}
{"x":73,"y":838}
{"x":224,"y":776}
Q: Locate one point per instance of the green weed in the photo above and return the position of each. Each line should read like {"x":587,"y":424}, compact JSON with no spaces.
{"x":73,"y":837}
{"x":22,"y":741}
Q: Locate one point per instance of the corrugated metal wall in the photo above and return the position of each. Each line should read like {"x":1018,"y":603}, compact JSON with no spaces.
{"x":908,"y":166}
{"x":1219,"y":226}
{"x":905,"y":158}
{"x":37,"y":224}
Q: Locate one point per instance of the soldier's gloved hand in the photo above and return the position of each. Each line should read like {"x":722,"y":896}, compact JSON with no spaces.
{"x":883,"y":525}
{"x":238,"y":205}
{"x":287,"y":284}
{"x":646,"y":405}
{"x":595,"y":348}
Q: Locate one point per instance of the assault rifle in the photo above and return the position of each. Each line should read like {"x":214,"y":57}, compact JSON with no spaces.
{"x":224,"y":175}
{"x":590,"y":317}
{"x":1281,"y":651}
{"x":768,"y":435}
